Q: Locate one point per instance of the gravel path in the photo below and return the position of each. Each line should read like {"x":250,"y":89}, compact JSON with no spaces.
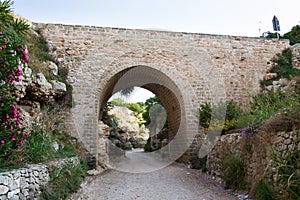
{"x":174,"y":182}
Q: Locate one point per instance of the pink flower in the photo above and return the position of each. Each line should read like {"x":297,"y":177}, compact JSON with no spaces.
{"x":18,"y":132}
{"x":21,"y":160}
{"x":2,"y":47}
{"x":13,"y":138}
{"x":2,"y":142}
{"x":25,"y":55}
{"x":7,"y":119}
{"x":14,"y":111}
{"x":22,"y":142}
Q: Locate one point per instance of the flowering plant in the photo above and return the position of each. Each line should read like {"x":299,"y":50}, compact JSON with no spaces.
{"x":13,"y":57}
{"x":249,"y":130}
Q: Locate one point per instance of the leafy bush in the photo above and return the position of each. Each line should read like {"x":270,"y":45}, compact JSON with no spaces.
{"x":148,"y":104}
{"x":263,"y":191}
{"x":293,"y":35}
{"x":64,"y":181}
{"x":13,"y":58}
{"x":232,"y":113}
{"x":287,"y":167}
{"x":283,"y":67}
{"x":265,"y":105}
{"x":234,"y":172}
{"x":39,"y":143}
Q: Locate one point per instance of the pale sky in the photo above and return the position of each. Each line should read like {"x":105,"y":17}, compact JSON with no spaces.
{"x":225,"y":17}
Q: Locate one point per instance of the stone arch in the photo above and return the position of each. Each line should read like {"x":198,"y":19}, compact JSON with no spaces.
{"x":156,"y":82}
{"x":173,"y":91}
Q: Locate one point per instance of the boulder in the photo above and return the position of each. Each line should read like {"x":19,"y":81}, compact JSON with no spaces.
{"x":58,"y":87}
{"x":53,"y":68}
{"x":270,"y":76}
{"x":42,"y":82}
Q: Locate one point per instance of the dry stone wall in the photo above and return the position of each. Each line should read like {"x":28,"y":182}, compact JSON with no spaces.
{"x":182,"y":69}
{"x":255,"y":151}
{"x":27,"y":183}
{"x":23,"y":183}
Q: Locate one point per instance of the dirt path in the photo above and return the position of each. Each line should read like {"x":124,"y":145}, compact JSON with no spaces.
{"x":174,"y":182}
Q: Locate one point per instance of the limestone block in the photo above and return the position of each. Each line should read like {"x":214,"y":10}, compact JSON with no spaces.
{"x":53,"y":68}
{"x":14,"y":195}
{"x":35,"y":173}
{"x":3,"y":189}
{"x":275,"y":83}
{"x":283,"y":81}
{"x":27,"y":73}
{"x":269,"y":76}
{"x":42,"y":82}
{"x":269,"y":87}
{"x":58,"y":87}
{"x":23,"y":183}
{"x":14,"y":184}
{"x":3,"y":180}
{"x":276,"y":87}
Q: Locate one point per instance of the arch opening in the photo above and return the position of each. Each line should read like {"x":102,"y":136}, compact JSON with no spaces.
{"x":159,"y":84}
{"x":154,"y":81}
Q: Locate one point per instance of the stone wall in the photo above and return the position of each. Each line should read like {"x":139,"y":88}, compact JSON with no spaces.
{"x":27,"y":183}
{"x":255,"y":151}
{"x":24,"y":183}
{"x":183,"y":69}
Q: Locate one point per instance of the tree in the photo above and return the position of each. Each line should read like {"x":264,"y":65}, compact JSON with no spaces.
{"x":293,"y":35}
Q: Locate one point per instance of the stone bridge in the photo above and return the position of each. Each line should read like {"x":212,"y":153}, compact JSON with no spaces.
{"x":182,"y":69}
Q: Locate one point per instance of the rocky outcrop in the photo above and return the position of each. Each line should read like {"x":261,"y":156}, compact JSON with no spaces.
{"x":296,"y":55}
{"x":127,"y":134}
{"x":37,"y":87}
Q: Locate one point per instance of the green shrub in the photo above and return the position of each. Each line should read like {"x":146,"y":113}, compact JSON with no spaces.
{"x":231,"y":109}
{"x":287,"y":167}
{"x":39,"y":53}
{"x":265,"y":105}
{"x":283,"y":67}
{"x":64,"y":181}
{"x":234,"y":172}
{"x":293,"y":35}
{"x":263,"y":191}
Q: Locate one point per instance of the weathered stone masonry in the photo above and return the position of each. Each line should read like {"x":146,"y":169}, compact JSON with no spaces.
{"x":182,"y":69}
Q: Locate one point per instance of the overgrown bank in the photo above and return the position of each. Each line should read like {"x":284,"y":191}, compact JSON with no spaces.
{"x":33,"y":97}
{"x":259,"y":150}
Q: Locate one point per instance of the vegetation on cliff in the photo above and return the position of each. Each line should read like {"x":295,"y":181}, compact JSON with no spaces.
{"x":276,"y":110}
{"x":38,"y":136}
